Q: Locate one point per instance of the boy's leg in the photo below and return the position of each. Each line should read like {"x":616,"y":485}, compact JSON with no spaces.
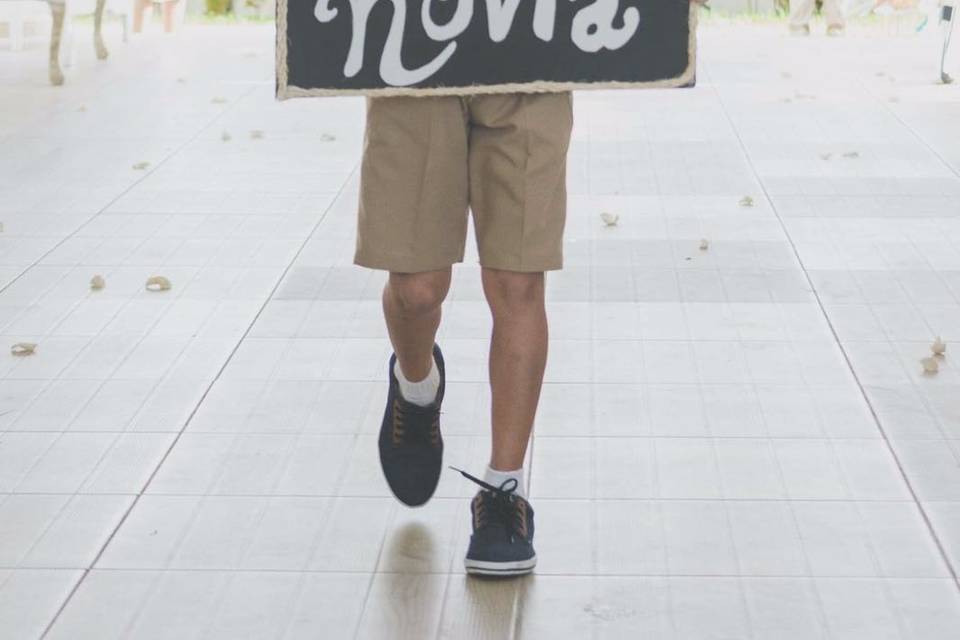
{"x":518,"y":357}
{"x":412,"y":222}
{"x":518,"y":150}
{"x":411,"y":307}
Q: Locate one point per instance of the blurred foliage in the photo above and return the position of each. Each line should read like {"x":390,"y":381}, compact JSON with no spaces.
{"x":219,"y":7}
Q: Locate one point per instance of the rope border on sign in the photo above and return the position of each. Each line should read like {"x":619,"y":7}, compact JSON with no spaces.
{"x":284,"y":90}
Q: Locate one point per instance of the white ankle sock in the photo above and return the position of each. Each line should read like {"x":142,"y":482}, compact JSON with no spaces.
{"x":497,"y":478}
{"x":422,"y":392}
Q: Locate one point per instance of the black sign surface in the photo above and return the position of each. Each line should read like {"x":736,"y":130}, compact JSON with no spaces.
{"x":397,"y":47}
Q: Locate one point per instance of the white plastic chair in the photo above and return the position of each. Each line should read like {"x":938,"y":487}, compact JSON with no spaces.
{"x":18,"y":13}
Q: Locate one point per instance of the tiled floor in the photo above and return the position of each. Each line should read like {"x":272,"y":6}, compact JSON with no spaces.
{"x":732,"y":443}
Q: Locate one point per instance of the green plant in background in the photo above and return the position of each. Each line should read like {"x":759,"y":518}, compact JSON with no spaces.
{"x":254,"y":5}
{"x":219,"y":7}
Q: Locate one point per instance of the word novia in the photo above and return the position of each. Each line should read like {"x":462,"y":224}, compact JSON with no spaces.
{"x":592,"y":30}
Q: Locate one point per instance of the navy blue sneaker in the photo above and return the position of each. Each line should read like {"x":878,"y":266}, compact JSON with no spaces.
{"x":502,"y":540}
{"x":411,"y":447}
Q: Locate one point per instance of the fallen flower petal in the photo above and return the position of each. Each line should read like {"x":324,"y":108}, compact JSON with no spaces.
{"x":609,"y":219}
{"x":23,"y":349}
{"x":939,"y":347}
{"x":158,"y":283}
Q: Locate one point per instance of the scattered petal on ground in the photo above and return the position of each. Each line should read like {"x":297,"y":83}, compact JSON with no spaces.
{"x":97,"y":282}
{"x":609,"y":219}
{"x":140,"y":166}
{"x":930,"y":365}
{"x":939,"y":347}
{"x":219,"y":100}
{"x":23,"y":349}
{"x":746,"y":201}
{"x":158,"y":283}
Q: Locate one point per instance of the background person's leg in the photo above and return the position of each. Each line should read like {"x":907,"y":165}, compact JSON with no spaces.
{"x":411,"y":308}
{"x":518,"y":357}
{"x":833,"y":13}
{"x":139,"y":7}
{"x":169,"y":15}
{"x":801,"y":11}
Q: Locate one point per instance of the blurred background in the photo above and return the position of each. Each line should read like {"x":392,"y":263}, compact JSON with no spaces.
{"x":750,"y":423}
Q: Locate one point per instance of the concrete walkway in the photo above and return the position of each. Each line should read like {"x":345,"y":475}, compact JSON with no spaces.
{"x":736,"y":442}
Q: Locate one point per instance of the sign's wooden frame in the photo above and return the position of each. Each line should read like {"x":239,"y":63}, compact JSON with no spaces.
{"x":286,"y":90}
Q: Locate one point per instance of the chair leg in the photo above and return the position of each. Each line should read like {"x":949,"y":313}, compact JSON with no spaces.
{"x":57,"y":10}
{"x":98,"y":45}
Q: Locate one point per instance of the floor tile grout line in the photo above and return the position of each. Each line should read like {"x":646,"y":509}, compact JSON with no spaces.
{"x":102,"y":382}
{"x":373,"y":574}
{"x":876,"y":418}
{"x":375,"y":497}
{"x":913,"y":132}
{"x":466,"y":434}
{"x":206,"y":392}
{"x":125,"y":191}
{"x":541,"y":574}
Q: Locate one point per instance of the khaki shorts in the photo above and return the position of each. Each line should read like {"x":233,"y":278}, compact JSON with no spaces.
{"x":427,"y":160}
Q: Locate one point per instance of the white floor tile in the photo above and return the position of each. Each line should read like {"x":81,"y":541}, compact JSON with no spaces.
{"x":705,"y":463}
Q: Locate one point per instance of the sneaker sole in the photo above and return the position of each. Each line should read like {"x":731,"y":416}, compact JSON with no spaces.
{"x":516,"y":568}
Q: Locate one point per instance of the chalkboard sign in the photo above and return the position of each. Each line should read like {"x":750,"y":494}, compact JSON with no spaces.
{"x":436,"y":47}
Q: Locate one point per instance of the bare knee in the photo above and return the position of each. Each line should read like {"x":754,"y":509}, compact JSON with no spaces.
{"x":512,"y":292}
{"x":417,"y":294}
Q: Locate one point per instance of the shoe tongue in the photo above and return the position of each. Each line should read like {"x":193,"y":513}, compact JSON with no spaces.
{"x":411,"y":407}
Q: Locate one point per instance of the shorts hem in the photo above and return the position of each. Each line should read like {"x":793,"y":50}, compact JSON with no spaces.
{"x":403,"y":265}
{"x":527,"y":266}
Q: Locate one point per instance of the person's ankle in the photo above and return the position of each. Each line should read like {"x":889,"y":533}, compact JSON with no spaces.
{"x":421,"y":392}
{"x":497,"y":477}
